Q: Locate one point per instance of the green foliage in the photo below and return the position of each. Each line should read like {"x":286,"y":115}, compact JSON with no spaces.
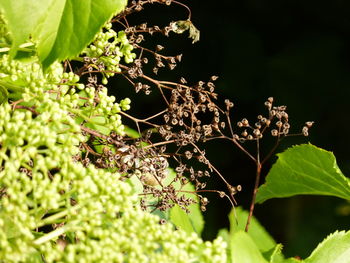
{"x":3,"y":93}
{"x":304,"y":169}
{"x":257,"y":232}
{"x":61,"y":29}
{"x":56,"y":208}
{"x":115,"y":45}
{"x":244,"y":250}
{"x":257,"y":242}
{"x":191,"y":222}
{"x":258,"y":246}
{"x":335,"y":248}
{"x":53,"y":208}
{"x":181,"y":219}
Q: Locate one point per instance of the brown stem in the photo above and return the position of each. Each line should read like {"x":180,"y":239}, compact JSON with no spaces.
{"x":257,"y":181}
{"x":93,"y":132}
{"x":136,"y":120}
{"x":89,"y":150}
{"x":271,"y":151}
{"x":16,"y":106}
{"x":158,"y":144}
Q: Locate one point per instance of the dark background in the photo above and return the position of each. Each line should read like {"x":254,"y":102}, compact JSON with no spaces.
{"x":296,"y":51}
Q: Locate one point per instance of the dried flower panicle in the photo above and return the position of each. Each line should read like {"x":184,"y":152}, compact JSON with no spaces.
{"x":191,"y":116}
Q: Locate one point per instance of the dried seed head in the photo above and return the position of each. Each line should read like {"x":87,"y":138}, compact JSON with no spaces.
{"x":229,"y":104}
{"x":159,"y":47}
{"x":274,"y":132}
{"x":279,"y":124}
{"x":256,"y":132}
{"x":286,"y":125}
{"x":245,"y":122}
{"x":309,"y":124}
{"x":188,"y":155}
{"x":305,"y":131}
{"x":268,"y":105}
{"x":204,"y":201}
{"x":162,"y":221}
{"x":244,"y":133}
{"x":179,"y":57}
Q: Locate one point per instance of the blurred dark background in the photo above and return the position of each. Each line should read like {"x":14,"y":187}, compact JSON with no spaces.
{"x":296,"y":51}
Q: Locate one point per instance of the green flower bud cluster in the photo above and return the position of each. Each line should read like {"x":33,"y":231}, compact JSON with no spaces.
{"x":55,"y":209}
{"x":27,"y":81}
{"x":101,"y":109}
{"x":108,"y":48}
{"x":32,"y":148}
{"x":41,"y":180}
{"x":5,"y":38}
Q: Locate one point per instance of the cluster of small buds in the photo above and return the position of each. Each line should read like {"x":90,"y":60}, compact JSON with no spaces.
{"x":106,"y":51}
{"x":88,"y":213}
{"x":5,"y":36}
{"x":99,"y":196}
{"x":93,"y":101}
{"x":25,"y":80}
{"x":70,"y":81}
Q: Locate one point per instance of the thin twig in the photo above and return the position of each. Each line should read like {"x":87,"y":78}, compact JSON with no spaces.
{"x":256,"y":185}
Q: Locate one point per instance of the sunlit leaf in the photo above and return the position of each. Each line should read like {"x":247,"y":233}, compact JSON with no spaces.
{"x":181,"y":219}
{"x":195,"y":216}
{"x":22,"y":16}
{"x":304,"y":169}
{"x":60,"y":28}
{"x":3,"y":94}
{"x":335,"y":248}
{"x":262,"y":239}
{"x":244,"y":250}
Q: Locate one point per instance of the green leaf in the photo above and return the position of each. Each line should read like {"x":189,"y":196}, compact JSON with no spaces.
{"x":182,"y":25}
{"x":35,"y":257}
{"x":79,"y":22}
{"x":10,"y":228}
{"x":181,"y":219}
{"x":101,"y":129}
{"x":274,"y":255}
{"x":195,"y":216}
{"x":131,"y":132}
{"x":335,"y":248}
{"x":293,"y":260}
{"x":244,"y":250}
{"x":304,"y":169}
{"x":257,"y":232}
{"x":61,"y":28}
{"x":3,"y":94}
{"x":22,"y":17}
{"x":262,"y":239}
{"x":225,"y":235}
